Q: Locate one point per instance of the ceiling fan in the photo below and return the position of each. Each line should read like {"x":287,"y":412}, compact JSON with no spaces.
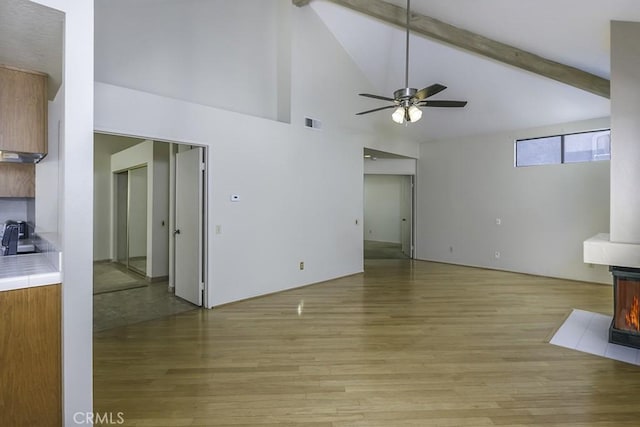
{"x":407,"y":101}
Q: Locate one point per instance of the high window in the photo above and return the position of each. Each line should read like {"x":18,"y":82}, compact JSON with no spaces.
{"x":570,"y":148}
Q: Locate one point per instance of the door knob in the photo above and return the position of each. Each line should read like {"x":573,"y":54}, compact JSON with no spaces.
{"x":177,"y":231}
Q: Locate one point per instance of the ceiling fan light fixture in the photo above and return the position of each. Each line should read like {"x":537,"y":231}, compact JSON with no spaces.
{"x":415,"y":113}
{"x":398,"y":115}
{"x":406,"y":101}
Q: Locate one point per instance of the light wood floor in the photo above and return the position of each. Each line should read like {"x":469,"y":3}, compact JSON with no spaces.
{"x":407,"y":343}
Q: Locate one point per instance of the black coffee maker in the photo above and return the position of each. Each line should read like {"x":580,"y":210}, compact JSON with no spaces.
{"x":10,"y":239}
{"x":12,"y":232}
{"x":23,"y":229}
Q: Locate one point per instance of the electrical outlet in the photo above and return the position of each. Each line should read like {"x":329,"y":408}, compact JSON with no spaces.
{"x":301,"y":265}
{"x":498,"y":221}
{"x":497,"y":254}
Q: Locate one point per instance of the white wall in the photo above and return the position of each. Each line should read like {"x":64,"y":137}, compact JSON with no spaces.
{"x":390,"y":166}
{"x":48,"y":175}
{"x":625,"y":132}
{"x":546,"y":212}
{"x":171,"y":50}
{"x":104,"y":147}
{"x":383,"y":207}
{"x":159,"y":227}
{"x":281,"y":63}
{"x":291,"y":209}
{"x":76,"y":206}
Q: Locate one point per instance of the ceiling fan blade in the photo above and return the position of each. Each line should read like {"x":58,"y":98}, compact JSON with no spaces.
{"x":384,"y":98}
{"x":429,"y":91}
{"x":443,"y":103}
{"x":375,"y":109}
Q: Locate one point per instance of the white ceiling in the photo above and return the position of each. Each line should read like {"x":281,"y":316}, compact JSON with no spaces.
{"x":501,"y":97}
{"x":31,"y":39}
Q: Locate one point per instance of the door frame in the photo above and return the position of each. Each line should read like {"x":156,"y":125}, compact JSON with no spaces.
{"x":412,"y":208}
{"x":205,"y":222}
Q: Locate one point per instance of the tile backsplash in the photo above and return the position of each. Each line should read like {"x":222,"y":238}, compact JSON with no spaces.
{"x":15,"y":208}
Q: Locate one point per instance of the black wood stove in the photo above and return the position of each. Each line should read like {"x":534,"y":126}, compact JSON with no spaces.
{"x":625,"y":326}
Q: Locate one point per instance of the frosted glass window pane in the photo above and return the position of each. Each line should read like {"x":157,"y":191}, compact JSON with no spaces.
{"x":540,"y":151}
{"x":587,"y":147}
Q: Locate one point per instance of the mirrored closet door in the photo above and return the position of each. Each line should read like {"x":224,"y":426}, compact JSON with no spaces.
{"x":131,"y":218}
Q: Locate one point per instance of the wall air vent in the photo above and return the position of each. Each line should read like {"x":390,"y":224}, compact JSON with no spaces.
{"x":312,"y":123}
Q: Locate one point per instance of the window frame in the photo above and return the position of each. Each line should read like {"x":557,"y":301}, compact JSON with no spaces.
{"x":562,"y":147}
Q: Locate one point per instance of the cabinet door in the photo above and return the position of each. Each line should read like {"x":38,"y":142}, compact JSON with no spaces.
{"x":23,"y":111}
{"x":30,"y":355}
{"x":17,"y":180}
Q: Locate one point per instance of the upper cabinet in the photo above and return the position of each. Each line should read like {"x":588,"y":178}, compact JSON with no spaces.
{"x":23,"y":111}
{"x":17,"y":179}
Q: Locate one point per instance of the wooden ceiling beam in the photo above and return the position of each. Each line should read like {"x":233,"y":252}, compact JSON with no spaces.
{"x":472,"y":42}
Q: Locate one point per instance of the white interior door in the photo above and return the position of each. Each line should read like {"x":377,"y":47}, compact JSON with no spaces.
{"x":188,"y":233}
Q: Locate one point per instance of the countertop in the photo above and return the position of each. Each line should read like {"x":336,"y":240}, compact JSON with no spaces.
{"x":26,"y":271}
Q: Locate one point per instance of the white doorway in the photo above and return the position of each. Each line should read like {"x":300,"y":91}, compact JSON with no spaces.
{"x":388,"y":216}
{"x":154,"y":258}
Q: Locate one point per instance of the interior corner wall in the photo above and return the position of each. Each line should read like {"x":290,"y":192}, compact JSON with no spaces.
{"x":325,"y":82}
{"x":545,"y":212}
{"x":160,"y":211}
{"x":283,"y":73}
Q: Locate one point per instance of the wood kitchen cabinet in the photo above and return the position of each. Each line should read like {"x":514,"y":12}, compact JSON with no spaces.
{"x":17,"y":180}
{"x":23,"y":111}
{"x":30,"y":357}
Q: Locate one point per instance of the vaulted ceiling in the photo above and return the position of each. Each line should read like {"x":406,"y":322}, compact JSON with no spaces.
{"x":502,"y":97}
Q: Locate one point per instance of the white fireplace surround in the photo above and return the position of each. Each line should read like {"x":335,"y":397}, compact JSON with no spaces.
{"x":599,"y":249}
{"x":622,"y":247}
